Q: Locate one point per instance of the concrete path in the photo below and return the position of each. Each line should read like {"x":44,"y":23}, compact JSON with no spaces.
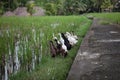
{"x":99,"y":55}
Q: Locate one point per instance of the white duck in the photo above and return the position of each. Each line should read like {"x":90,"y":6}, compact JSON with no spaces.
{"x":62,"y":42}
{"x":54,"y":36}
{"x":71,"y":38}
{"x":75,"y":36}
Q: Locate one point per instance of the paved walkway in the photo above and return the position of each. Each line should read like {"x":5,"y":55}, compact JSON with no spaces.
{"x":99,"y":55}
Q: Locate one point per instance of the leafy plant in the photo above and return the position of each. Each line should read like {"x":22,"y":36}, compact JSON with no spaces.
{"x":51,"y":9}
{"x":106,"y":4}
{"x":74,"y":6}
{"x":30,"y":5}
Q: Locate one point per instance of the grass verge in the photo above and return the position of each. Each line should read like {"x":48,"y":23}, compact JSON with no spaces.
{"x":110,"y":17}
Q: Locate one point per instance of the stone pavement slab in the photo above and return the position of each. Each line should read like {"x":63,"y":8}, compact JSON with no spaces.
{"x":99,"y":55}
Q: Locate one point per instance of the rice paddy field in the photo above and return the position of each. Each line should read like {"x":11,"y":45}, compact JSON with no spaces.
{"x":111,"y":17}
{"x":24,"y":48}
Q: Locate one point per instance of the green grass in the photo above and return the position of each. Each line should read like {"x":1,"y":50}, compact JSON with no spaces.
{"x":111,"y":17}
{"x":49,"y":68}
{"x":103,"y":22}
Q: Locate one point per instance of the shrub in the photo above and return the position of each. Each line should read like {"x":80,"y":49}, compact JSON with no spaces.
{"x":30,"y":5}
{"x":51,"y":9}
{"x":1,"y":8}
{"x":74,"y":7}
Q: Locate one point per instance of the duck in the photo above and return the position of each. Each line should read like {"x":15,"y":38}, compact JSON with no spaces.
{"x":61,"y":39}
{"x":75,"y":36}
{"x":71,"y":38}
{"x":62,"y":42}
{"x":58,"y":45}
{"x":61,"y":49}
{"x":53,"y":49}
{"x":54,"y":37}
{"x":66,"y":41}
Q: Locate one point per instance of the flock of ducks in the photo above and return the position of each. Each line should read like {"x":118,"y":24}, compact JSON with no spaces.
{"x":61,"y":46}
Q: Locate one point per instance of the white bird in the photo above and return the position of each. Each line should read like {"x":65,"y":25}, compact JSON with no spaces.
{"x":71,"y":38}
{"x":62,"y":42}
{"x":54,"y":36}
{"x":61,"y":39}
{"x":75,"y":36}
